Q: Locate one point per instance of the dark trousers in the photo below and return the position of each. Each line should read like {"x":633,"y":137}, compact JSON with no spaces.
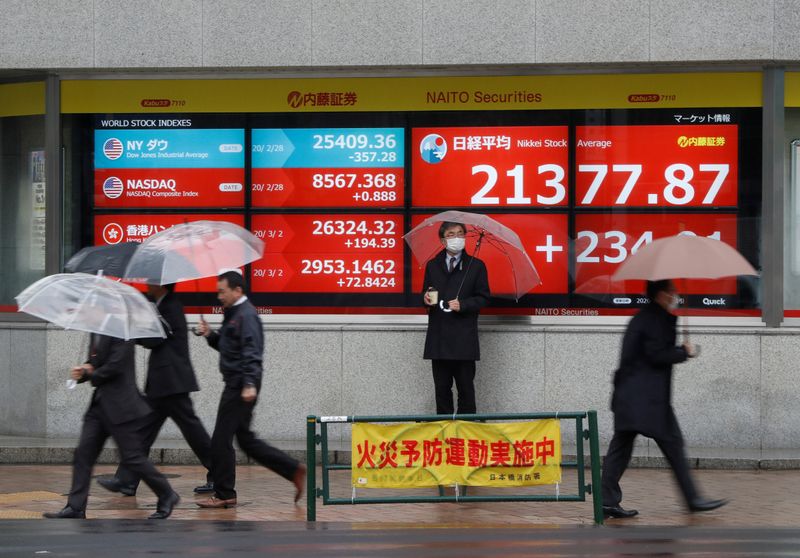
{"x":94,"y":433}
{"x":463,"y":372}
{"x":179,"y":408}
{"x":619,"y":456}
{"x":233,"y":420}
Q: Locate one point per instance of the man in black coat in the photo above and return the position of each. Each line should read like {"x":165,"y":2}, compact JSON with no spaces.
{"x":451,"y":343}
{"x":117,"y":409}
{"x":642,"y":399}
{"x":170,"y":379}
{"x":240,"y":342}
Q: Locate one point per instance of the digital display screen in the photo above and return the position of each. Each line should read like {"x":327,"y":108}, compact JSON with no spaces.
{"x":329,"y":253}
{"x":130,"y":227}
{"x":332,"y":196}
{"x":657,"y":166}
{"x":169,"y":168}
{"x":605,"y":241}
{"x":351,"y":167}
{"x":520,"y":166}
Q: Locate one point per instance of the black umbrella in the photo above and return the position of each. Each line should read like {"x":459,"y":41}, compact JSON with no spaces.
{"x":111,"y":259}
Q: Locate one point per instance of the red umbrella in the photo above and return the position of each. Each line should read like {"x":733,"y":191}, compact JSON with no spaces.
{"x":425,"y":243}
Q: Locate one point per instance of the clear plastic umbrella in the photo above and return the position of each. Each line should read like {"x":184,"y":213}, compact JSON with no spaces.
{"x":192,"y":251}
{"x":684,"y":256}
{"x":91,"y":303}
{"x":425,"y":243}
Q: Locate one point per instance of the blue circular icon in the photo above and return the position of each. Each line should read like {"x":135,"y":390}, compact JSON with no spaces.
{"x":433,"y":148}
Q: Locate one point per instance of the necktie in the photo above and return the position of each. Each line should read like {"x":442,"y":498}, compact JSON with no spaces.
{"x":452,"y":264}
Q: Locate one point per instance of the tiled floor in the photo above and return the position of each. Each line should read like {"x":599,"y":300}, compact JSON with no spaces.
{"x":758,"y":498}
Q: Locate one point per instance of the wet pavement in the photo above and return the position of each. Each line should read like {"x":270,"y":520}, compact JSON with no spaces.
{"x":763,"y":519}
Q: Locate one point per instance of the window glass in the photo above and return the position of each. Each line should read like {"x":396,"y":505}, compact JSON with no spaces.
{"x":22,"y":190}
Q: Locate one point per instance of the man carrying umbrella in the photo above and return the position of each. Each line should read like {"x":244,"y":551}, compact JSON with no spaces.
{"x":451,"y":343}
{"x":240,"y":342}
{"x":642,"y":399}
{"x":170,"y":379}
{"x":117,"y":410}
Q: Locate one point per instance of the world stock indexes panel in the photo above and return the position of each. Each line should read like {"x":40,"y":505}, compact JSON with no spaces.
{"x":332,"y":203}
{"x":195,"y":168}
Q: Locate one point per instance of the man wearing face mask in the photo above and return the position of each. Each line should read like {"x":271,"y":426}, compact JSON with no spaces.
{"x":642,"y":399}
{"x":451,"y":343}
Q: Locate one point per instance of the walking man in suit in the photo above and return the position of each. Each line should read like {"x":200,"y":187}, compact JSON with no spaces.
{"x":642,"y":399}
{"x":170,"y":379}
{"x":117,"y":409}
{"x":240,"y":342}
{"x":451,"y":343}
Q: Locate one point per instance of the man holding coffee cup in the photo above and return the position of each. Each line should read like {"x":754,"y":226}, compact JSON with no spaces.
{"x":456,"y":288}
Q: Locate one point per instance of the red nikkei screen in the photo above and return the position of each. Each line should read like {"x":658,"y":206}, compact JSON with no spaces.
{"x":519,"y":166}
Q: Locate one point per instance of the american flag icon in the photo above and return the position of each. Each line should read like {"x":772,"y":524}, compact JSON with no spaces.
{"x":112,"y":148}
{"x":112,"y":187}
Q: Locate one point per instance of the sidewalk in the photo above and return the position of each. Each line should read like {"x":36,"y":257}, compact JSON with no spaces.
{"x":759,"y":498}
{"x":37,"y":450}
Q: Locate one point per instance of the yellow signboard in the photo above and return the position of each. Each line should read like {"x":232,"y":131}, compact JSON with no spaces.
{"x":411,"y":455}
{"x":441,"y":93}
{"x":791,"y":87}
{"x":22,"y":99}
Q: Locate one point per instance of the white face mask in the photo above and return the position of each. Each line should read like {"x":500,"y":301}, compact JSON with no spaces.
{"x":455,"y":244}
{"x":674,"y":302}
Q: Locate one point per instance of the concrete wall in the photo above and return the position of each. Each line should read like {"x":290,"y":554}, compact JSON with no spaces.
{"x":741,"y":393}
{"x":23,"y":370}
{"x":194,"y":34}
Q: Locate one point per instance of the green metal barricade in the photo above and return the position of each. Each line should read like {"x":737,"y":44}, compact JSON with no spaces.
{"x":315,"y":439}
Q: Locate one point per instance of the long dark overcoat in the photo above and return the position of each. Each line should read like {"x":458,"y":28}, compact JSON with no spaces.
{"x":169,"y":369}
{"x":454,"y":335}
{"x":642,"y":399}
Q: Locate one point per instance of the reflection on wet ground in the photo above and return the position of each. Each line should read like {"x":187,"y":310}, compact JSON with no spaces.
{"x":292,"y":539}
{"x":763,"y":519}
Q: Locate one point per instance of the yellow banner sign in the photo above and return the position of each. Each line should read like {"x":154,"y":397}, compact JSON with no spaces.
{"x":22,"y":99}
{"x":791,"y":87}
{"x":440,"y":93}
{"x":412,"y":455}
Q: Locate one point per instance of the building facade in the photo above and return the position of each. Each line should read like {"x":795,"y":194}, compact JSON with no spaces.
{"x":330,"y":128}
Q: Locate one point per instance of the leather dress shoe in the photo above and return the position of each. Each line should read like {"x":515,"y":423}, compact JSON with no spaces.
{"x":164,"y":509}
{"x":618,"y":512}
{"x":216,"y":503}
{"x":66,"y":513}
{"x":206,"y":488}
{"x":700,"y":505}
{"x":299,"y":481}
{"x":113,"y":484}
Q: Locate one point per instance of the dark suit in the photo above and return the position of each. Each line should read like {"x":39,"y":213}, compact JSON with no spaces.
{"x":117,"y":409}
{"x":240,"y":342}
{"x":170,"y":378}
{"x":451,"y":342}
{"x":642,"y":400}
